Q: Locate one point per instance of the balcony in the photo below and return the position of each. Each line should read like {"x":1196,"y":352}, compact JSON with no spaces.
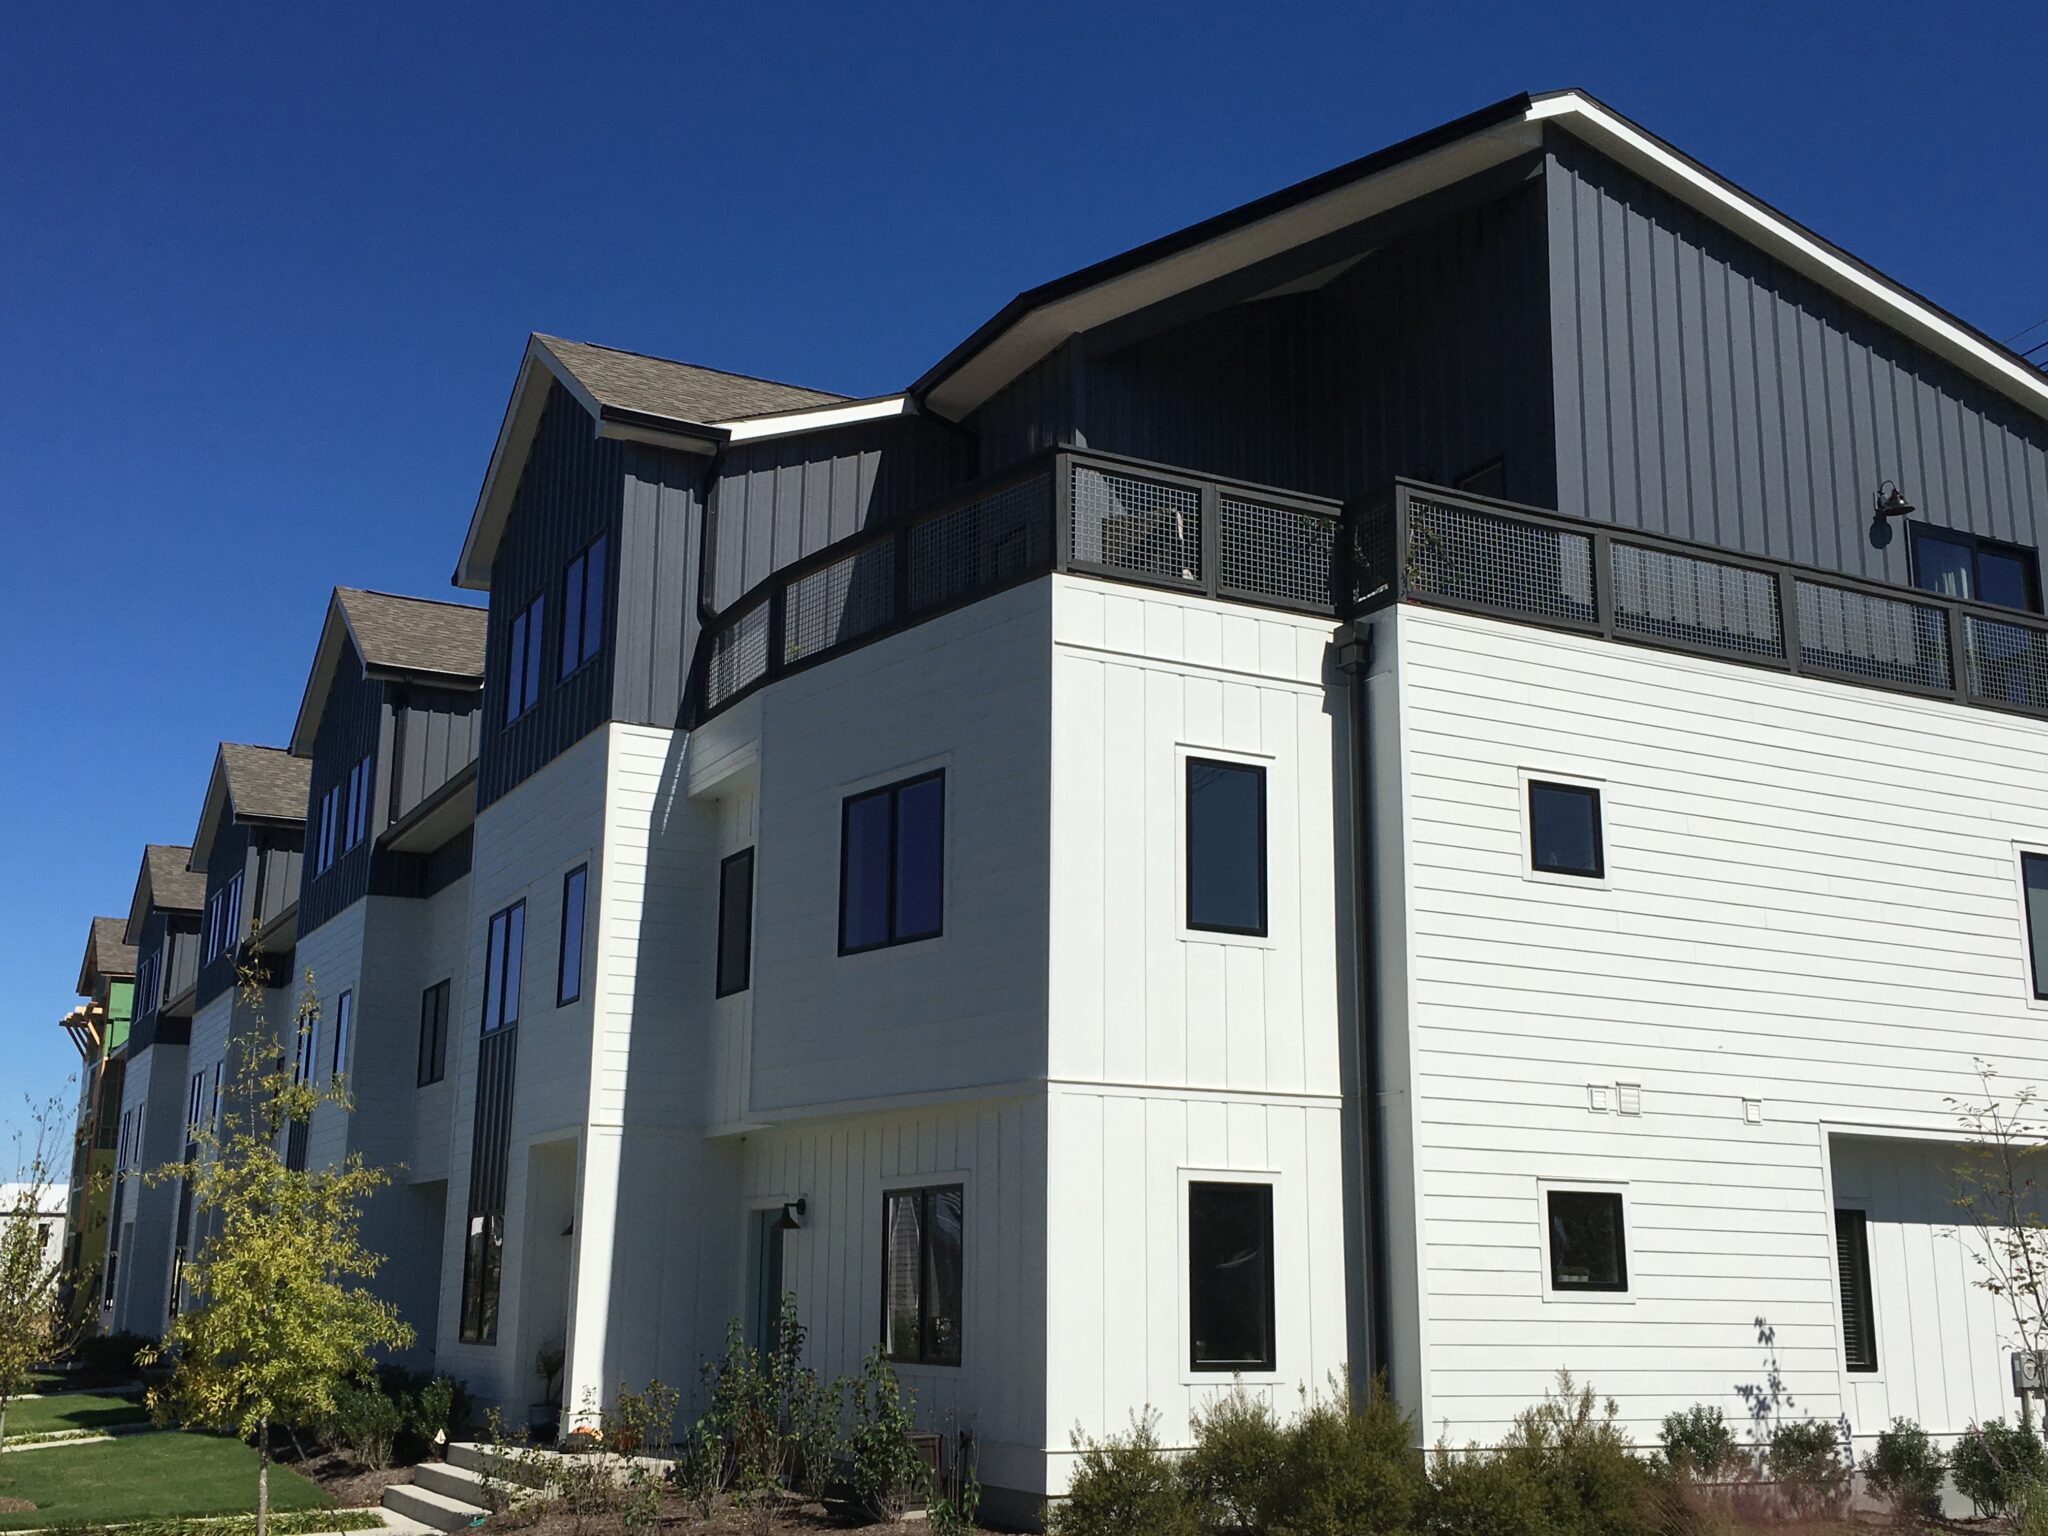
{"x":1421,"y":543}
{"x":1064,"y":510}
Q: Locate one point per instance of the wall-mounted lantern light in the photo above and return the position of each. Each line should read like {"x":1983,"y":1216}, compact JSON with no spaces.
{"x":792,"y":1217}
{"x":1891,"y":501}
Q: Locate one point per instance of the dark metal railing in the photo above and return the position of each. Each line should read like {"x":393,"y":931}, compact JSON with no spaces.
{"x":1426,"y":544}
{"x":1063,"y":509}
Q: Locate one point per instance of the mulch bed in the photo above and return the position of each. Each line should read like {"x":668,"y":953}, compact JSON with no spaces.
{"x":353,"y":1485}
{"x":678,"y":1517}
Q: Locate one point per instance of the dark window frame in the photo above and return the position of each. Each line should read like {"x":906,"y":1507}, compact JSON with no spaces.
{"x":924,"y":1194}
{"x":1591,"y":794}
{"x":1263,"y":928}
{"x":1270,"y":1322}
{"x":563,"y":996}
{"x":344,"y":1026}
{"x":723,"y":985}
{"x":589,"y":567}
{"x":2025,"y":555}
{"x":525,"y":645}
{"x":1621,"y":1284}
{"x":433,"y":1060}
{"x":1863,"y":1361}
{"x":2037,"y":960}
{"x":894,"y":791}
{"x":499,"y":986}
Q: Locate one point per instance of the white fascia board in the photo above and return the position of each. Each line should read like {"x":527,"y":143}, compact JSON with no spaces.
{"x":1037,"y":333}
{"x":749,"y":428}
{"x":1730,"y":206}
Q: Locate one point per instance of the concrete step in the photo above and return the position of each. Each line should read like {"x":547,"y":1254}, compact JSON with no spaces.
{"x":465,"y":1483}
{"x":429,"y":1508}
{"x":504,"y":1466}
{"x":404,"y":1525}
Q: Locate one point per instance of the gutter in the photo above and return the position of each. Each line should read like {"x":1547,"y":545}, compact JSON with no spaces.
{"x":1354,"y":659}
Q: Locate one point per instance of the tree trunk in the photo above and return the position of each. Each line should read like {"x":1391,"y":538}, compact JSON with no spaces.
{"x":263,"y":1477}
{"x":3,"y":1426}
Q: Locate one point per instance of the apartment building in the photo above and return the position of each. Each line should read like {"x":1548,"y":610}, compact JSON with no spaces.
{"x":98,"y":1029}
{"x":1434,"y":774}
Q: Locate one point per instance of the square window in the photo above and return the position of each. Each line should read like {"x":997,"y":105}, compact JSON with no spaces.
{"x":1230,"y":1277}
{"x":1226,"y":852}
{"x":1859,"y":1315}
{"x":736,"y":923}
{"x":1588,"y":1248}
{"x":892,"y":860}
{"x":2034,"y":880}
{"x":923,"y":1274}
{"x":569,"y":976}
{"x":1975,"y":569}
{"x":1564,"y":830}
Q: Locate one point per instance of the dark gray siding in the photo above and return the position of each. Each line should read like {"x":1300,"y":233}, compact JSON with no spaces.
{"x":569,"y":493}
{"x":354,"y":723}
{"x":1447,"y":336}
{"x":230,"y":855}
{"x":422,"y":874}
{"x":280,"y":852}
{"x":434,"y":737}
{"x":1707,"y":391}
{"x":773,"y":502}
{"x":1037,"y":409}
{"x":176,"y":935}
{"x":656,"y":591}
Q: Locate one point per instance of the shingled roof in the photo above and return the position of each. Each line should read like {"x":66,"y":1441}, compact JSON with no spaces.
{"x":165,"y":880}
{"x":107,"y":953}
{"x":415,"y":634}
{"x":266,"y":782}
{"x":656,"y":386}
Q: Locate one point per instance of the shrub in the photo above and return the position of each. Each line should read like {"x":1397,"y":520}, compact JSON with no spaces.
{"x":1347,"y":1471}
{"x":109,"y":1354}
{"x":1994,"y":1462}
{"x":1906,"y":1469}
{"x":1699,"y":1443}
{"x":1805,"y":1457}
{"x":1124,"y":1485}
{"x":1479,"y":1493}
{"x":365,"y":1421}
{"x":1234,"y":1470}
{"x":2029,"y":1507}
{"x":428,"y":1407}
{"x":887,"y":1473}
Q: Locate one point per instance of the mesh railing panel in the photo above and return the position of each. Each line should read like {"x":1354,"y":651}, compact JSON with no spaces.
{"x":1129,"y":523}
{"x":981,"y":545}
{"x":2008,"y":662}
{"x":1867,"y":635}
{"x":1696,"y":601}
{"x":839,"y":602}
{"x":1478,"y":557}
{"x":1274,"y":552}
{"x":739,"y":656}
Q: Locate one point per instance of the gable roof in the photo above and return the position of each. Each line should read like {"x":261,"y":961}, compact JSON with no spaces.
{"x":628,"y":395}
{"x":107,"y":953}
{"x":412,"y":639}
{"x":1037,"y":321}
{"x":165,"y":881}
{"x":250,"y":784}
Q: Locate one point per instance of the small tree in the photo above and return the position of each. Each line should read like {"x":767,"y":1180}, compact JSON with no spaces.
{"x":31,"y":1321}
{"x":276,"y":1322}
{"x":1999,"y":1193}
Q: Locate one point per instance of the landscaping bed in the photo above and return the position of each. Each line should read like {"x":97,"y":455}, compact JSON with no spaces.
{"x":350,"y":1483}
{"x":677,"y":1514}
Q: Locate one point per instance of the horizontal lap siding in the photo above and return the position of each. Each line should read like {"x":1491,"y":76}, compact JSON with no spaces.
{"x":1812,"y":903}
{"x":1704,"y":390}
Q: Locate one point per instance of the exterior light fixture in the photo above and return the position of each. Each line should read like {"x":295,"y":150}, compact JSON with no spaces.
{"x":1891,"y":501}
{"x":792,"y":1217}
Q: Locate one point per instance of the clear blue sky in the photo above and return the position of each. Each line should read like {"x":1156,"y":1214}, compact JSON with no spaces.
{"x":266,"y":270}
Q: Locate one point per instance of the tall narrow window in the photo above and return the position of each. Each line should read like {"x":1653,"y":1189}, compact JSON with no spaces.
{"x":1230,"y":1277}
{"x":569,"y":975}
{"x":503,"y":956}
{"x":483,"y":1264}
{"x":1226,"y":852}
{"x":433,"y":1034}
{"x":2034,"y":877}
{"x":306,"y":1051}
{"x":892,"y":861}
{"x":523,"y":661}
{"x":583,"y":607}
{"x":923,"y":1267}
{"x":1588,"y":1241}
{"x":1564,"y":830}
{"x":344,"y":1021}
{"x":1859,"y":1312}
{"x":213,"y":1105}
{"x":736,"y":923}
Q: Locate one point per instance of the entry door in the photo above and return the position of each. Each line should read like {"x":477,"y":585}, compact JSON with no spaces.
{"x":767,"y":1267}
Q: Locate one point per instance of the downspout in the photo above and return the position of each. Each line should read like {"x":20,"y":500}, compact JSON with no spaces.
{"x":1354,"y":659}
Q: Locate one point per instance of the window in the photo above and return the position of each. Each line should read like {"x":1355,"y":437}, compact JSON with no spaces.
{"x":213,"y":1105}
{"x":1226,"y":846}
{"x":194,"y":1102}
{"x":736,"y":923}
{"x":1979,"y":570}
{"x":483,"y":1262}
{"x":583,"y":607}
{"x":344,"y":1018}
{"x":569,"y":976}
{"x":503,"y":953}
{"x":1230,"y":1277}
{"x":1859,"y":1316}
{"x":2034,"y":879}
{"x":306,"y":1051}
{"x":922,"y":1264}
{"x":1587,"y":1247}
{"x":1564,"y":830}
{"x":146,"y":977}
{"x":522,"y":664}
{"x":324,"y":844}
{"x":360,"y":779}
{"x":892,"y":844}
{"x":223,"y":919}
{"x":433,"y":1034}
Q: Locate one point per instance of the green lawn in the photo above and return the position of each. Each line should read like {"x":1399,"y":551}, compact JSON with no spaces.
{"x":74,"y":1410}
{"x":143,"y":1476}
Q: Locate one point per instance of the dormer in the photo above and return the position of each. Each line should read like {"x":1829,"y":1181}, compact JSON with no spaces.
{"x":247,"y":848}
{"x":163,"y":927}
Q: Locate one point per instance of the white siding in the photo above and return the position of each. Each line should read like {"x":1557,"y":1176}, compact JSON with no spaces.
{"x":1811,"y":902}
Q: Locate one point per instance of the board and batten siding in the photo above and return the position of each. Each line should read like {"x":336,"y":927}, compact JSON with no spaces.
{"x":434,"y":738}
{"x":354,"y":724}
{"x":1812,"y":902}
{"x":1707,"y":391}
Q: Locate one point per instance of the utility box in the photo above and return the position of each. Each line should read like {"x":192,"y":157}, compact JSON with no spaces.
{"x":2029,"y":1372}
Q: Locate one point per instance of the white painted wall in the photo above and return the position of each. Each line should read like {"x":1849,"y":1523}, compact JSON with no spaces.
{"x":1812,"y":902}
